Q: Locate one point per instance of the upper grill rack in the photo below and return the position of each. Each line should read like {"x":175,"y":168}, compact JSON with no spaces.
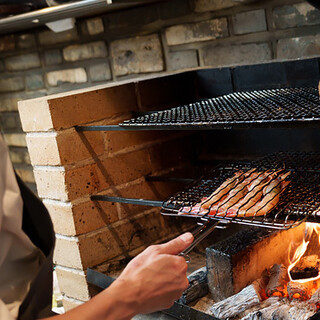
{"x":239,"y":109}
{"x":300,"y":201}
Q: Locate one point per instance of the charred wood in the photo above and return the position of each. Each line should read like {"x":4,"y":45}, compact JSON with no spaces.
{"x":255,"y":248}
{"x":198,"y":286}
{"x":301,"y":311}
{"x":315,"y":300}
{"x":297,"y":290}
{"x":307,"y":267}
{"x":279,"y":278}
{"x":265,"y":313}
{"x":234,"y":305}
{"x":302,"y":291}
{"x":282,"y":313}
{"x":316,"y":316}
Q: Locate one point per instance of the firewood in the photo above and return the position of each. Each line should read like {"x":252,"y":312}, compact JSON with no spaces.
{"x":297,"y":290}
{"x":307,"y":267}
{"x":301,"y":311}
{"x":198,"y":286}
{"x":282,"y":313}
{"x":302,"y":291}
{"x":279,"y":278}
{"x":265,"y":312}
{"x":237,"y":303}
{"x":237,"y":261}
{"x":316,"y":316}
{"x":315,"y":300}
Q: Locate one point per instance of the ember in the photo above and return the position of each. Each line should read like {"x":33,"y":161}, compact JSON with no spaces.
{"x":289,"y":291}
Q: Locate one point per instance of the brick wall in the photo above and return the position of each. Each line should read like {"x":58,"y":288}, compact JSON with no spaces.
{"x":158,"y":38}
{"x":69,"y":166}
{"x":154,"y":39}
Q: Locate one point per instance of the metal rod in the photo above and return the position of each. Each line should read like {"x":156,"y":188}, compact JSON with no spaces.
{"x":142,"y":202}
{"x":71,"y":10}
{"x":102,"y":128}
{"x":168,"y":179}
{"x":199,"y":234}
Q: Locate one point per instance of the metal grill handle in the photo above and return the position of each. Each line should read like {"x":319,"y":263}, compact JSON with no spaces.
{"x":199,"y":234}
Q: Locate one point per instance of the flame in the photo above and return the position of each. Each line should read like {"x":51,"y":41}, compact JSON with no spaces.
{"x":301,"y":249}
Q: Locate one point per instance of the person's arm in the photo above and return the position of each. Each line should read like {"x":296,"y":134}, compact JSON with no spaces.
{"x":151,"y":281}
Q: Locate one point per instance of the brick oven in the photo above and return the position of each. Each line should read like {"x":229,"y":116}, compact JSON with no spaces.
{"x":121,"y":65}
{"x":72,"y":165}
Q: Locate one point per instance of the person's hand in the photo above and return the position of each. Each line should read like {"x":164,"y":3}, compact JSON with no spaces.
{"x":151,"y":281}
{"x":155,"y":278}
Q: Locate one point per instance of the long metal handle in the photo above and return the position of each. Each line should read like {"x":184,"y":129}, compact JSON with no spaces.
{"x":199,"y":234}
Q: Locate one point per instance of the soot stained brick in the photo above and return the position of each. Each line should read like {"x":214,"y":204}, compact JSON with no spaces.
{"x":22,"y":62}
{"x":195,"y":32}
{"x":182,"y":60}
{"x":297,"y":48}
{"x":300,"y":14}
{"x":236,"y":54}
{"x":251,"y":21}
{"x":26,"y":41}
{"x":100,"y":72}
{"x":52,"y":57}
{"x":137,"y":55}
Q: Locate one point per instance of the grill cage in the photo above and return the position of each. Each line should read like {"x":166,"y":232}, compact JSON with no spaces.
{"x":299,"y":202}
{"x":239,"y":109}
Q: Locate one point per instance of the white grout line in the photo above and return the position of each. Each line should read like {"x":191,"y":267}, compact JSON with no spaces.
{"x":68,"y":238}
{"x":42,"y":134}
{"x":77,"y":271}
{"x":49,"y":168}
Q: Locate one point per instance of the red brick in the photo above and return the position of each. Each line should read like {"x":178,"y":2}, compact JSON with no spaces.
{"x":67,"y":110}
{"x":91,"y":106}
{"x":119,"y":140}
{"x":109,"y":172}
{"x":75,"y":219}
{"x":54,"y":148}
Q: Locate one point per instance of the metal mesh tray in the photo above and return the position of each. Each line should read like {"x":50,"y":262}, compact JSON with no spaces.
{"x":300,"y":201}
{"x":239,"y":109}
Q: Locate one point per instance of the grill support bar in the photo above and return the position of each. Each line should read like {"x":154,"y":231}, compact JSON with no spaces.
{"x":142,"y":202}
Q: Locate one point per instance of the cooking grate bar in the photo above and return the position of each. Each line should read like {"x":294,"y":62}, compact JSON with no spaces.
{"x":239,"y":109}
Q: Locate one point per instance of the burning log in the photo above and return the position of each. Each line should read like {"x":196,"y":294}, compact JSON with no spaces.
{"x":299,"y":291}
{"x":307,"y":267}
{"x":279,"y":278}
{"x":302,"y":290}
{"x":245,"y":299}
{"x":315,"y":301}
{"x":253,"y":248}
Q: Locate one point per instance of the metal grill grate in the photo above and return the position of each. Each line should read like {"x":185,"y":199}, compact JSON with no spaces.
{"x":298,"y":202}
{"x":239,"y":109}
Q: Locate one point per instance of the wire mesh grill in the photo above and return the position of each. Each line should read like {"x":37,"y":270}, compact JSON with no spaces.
{"x":297,"y":202}
{"x":239,"y":109}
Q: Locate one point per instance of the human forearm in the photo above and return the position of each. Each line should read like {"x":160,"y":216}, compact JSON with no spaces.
{"x":152,"y":281}
{"x":110,"y":304}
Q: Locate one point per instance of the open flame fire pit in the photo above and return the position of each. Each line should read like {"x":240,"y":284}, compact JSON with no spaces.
{"x":282,"y":291}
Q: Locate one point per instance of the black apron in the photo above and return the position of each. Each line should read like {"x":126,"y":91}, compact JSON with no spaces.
{"x":37,"y":225}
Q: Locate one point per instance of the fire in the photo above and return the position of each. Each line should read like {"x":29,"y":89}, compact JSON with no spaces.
{"x":306,"y":287}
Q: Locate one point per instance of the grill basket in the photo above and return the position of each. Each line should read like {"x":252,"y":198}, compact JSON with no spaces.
{"x":299,"y":202}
